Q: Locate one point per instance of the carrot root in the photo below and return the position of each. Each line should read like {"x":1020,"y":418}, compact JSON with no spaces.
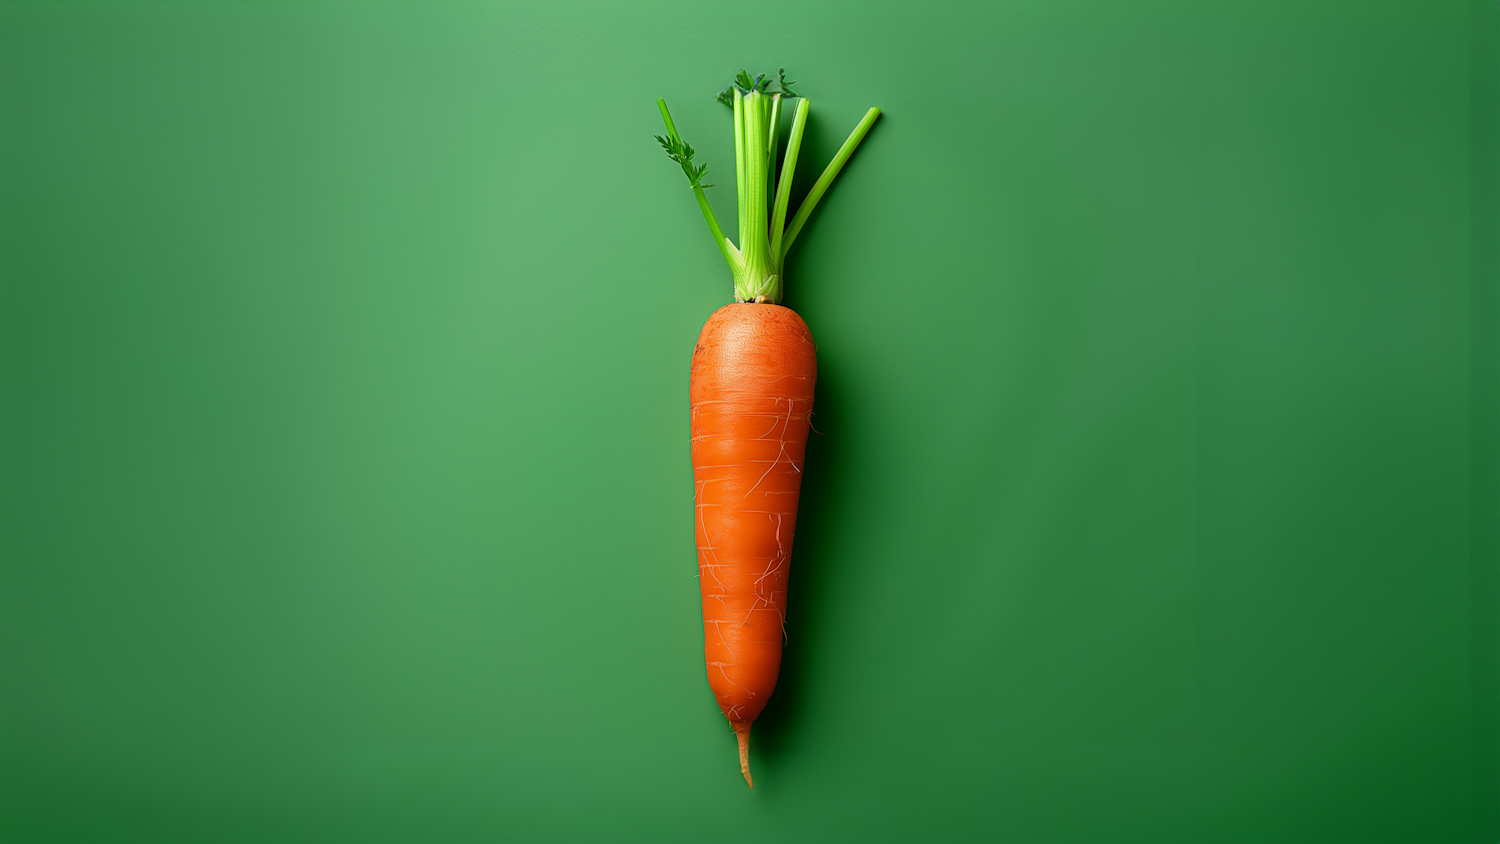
{"x":750,"y":397}
{"x":742,"y":732}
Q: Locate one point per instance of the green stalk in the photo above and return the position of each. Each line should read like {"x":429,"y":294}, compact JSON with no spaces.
{"x":784,"y":189}
{"x":758,"y":263}
{"x":731,"y":255}
{"x":759,"y":276}
{"x":739,"y":159}
{"x":772,"y":135}
{"x":829,"y":174}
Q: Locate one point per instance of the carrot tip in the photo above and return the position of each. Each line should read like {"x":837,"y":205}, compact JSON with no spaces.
{"x":742,"y":732}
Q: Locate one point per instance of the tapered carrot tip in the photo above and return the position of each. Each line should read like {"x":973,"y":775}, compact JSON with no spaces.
{"x":742,"y":732}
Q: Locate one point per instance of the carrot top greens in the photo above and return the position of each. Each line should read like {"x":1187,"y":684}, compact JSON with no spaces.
{"x":765,"y":234}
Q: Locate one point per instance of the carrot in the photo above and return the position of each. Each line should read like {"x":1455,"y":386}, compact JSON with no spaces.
{"x":751,"y":399}
{"x":751,"y":396}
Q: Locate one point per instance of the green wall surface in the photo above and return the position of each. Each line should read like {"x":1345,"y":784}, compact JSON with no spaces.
{"x":343,"y":382}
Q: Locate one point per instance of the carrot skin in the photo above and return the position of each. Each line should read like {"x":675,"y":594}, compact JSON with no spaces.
{"x":751,"y":396}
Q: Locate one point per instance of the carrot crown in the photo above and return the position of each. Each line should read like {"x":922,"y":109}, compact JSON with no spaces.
{"x":758,"y":262}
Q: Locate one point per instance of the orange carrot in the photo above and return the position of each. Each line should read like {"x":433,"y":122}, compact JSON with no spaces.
{"x":752,"y":396}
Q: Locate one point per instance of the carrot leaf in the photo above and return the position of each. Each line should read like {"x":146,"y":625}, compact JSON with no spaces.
{"x":682,"y":152}
{"x":766,"y":236}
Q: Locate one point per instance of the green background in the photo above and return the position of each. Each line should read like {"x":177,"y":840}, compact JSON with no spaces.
{"x":345,"y":466}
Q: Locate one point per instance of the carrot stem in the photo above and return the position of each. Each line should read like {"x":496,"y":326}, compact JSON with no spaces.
{"x":759,"y":276}
{"x":784,"y":188}
{"x":773,"y":134}
{"x":758,"y":262}
{"x":739,"y":161}
{"x":829,"y":174}
{"x":684,"y":155}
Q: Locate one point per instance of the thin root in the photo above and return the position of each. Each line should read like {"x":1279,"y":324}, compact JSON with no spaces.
{"x":742,"y":732}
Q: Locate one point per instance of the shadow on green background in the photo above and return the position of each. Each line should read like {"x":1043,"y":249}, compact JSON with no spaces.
{"x":344,"y":355}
